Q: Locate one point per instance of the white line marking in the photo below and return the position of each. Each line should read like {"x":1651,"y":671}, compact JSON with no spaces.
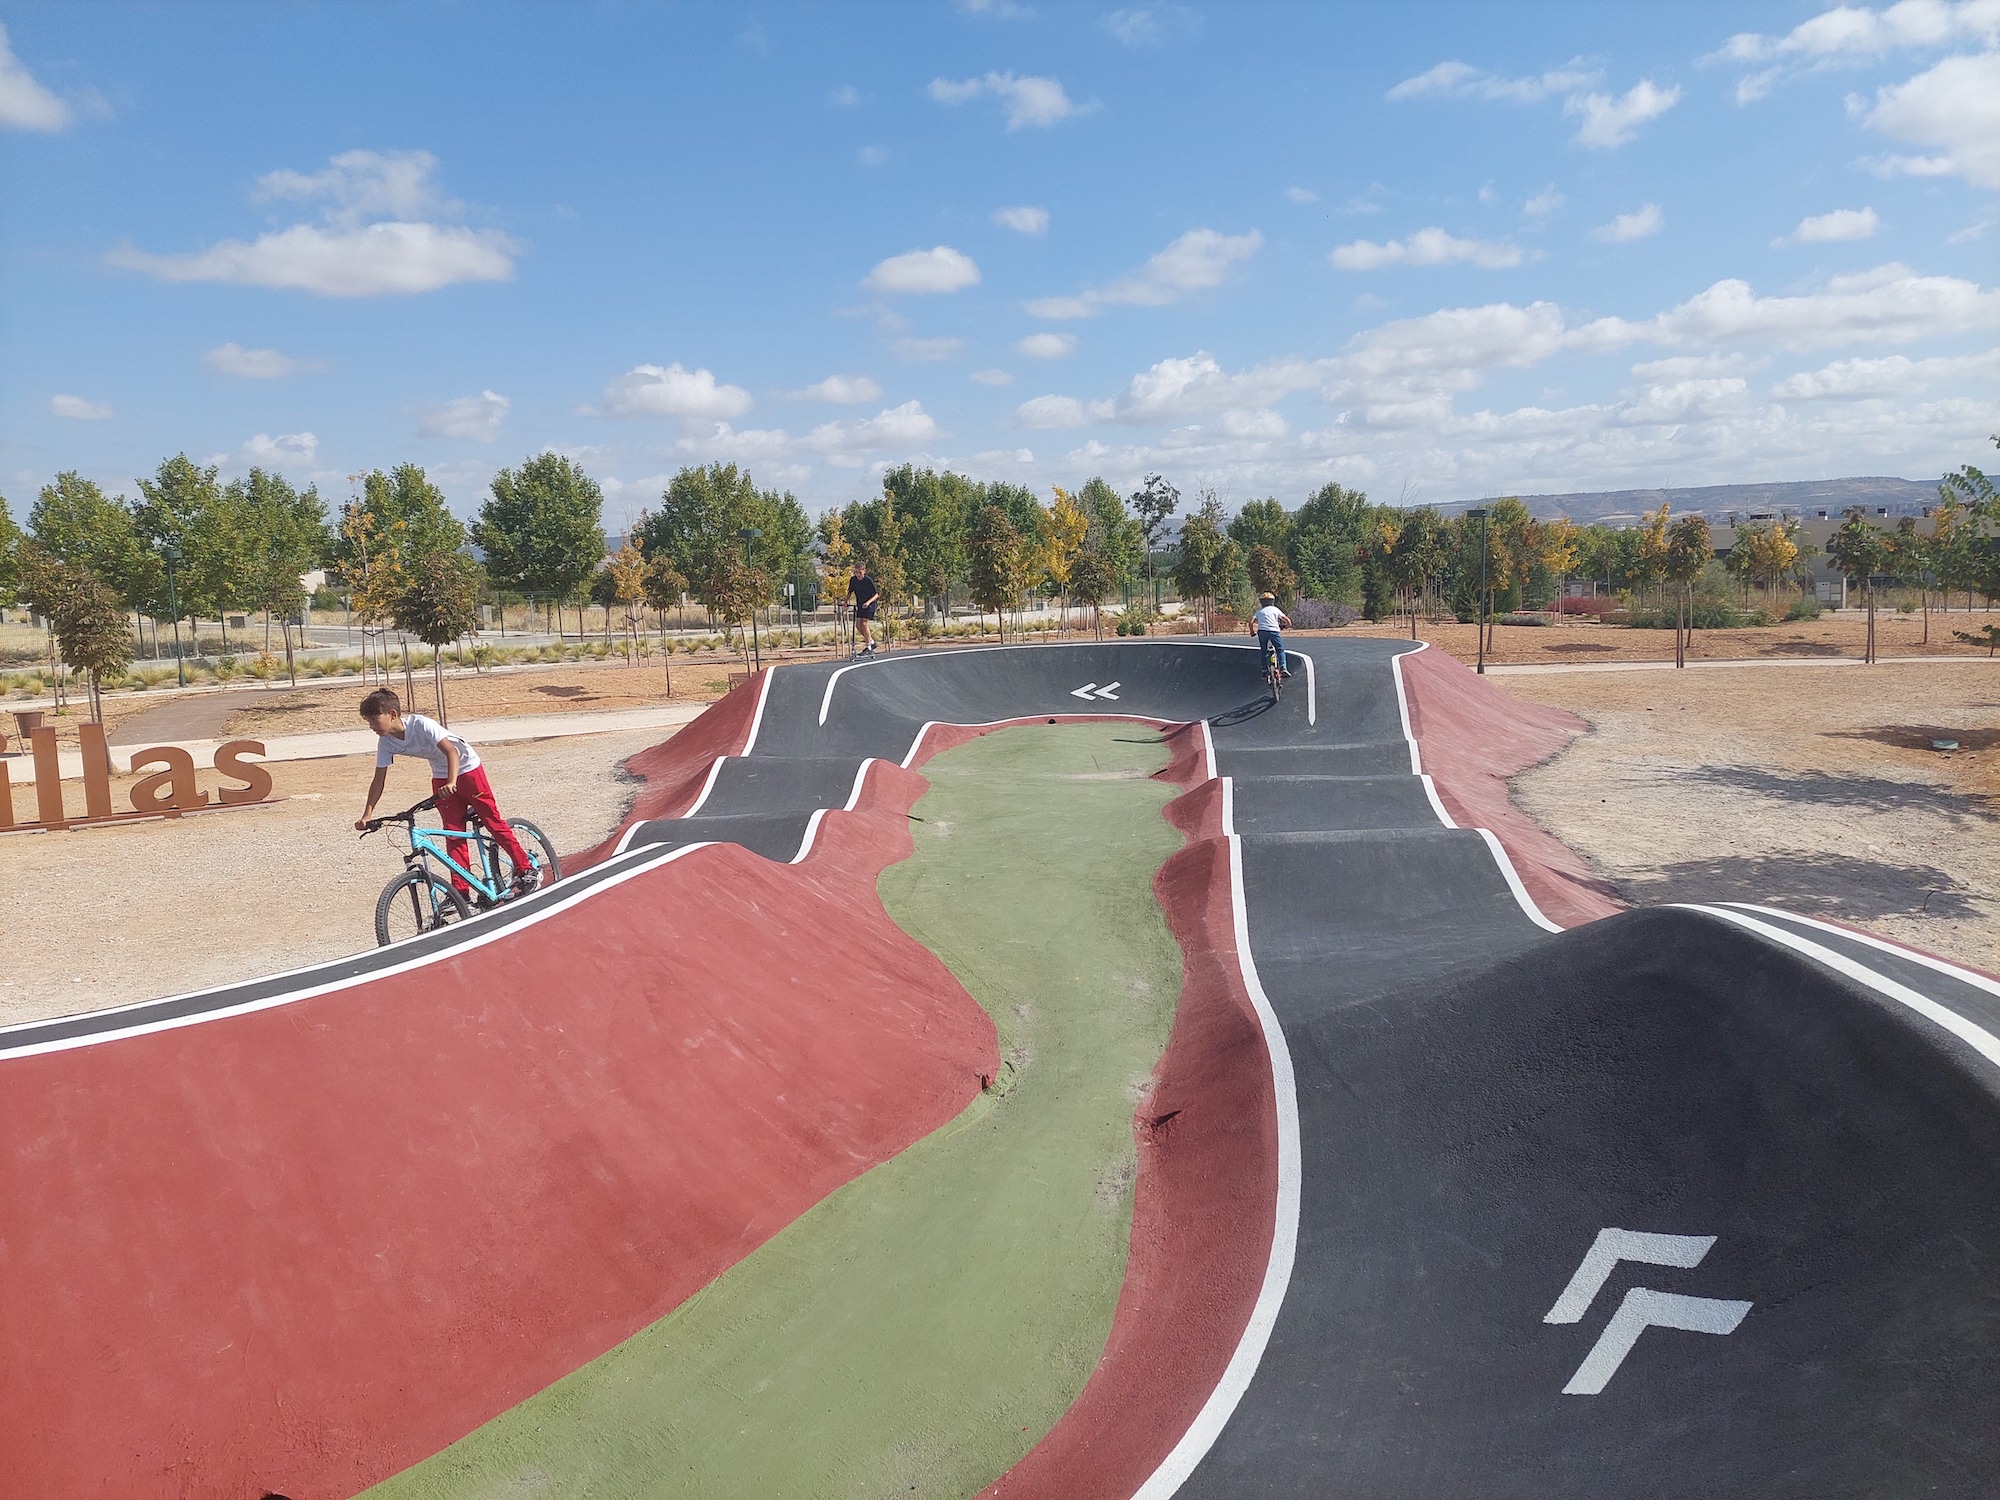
{"x":1915,"y":956}
{"x":1527,"y":902}
{"x":1229,"y":807}
{"x":1403,"y":707}
{"x":1312,"y":687}
{"x":1082,"y":692}
{"x":812,"y":832}
{"x":1682,"y":1251}
{"x":854,"y":797}
{"x":707,"y":786}
{"x":1437,"y":802}
{"x":1982,"y":1041}
{"x":757,"y":719}
{"x":1645,"y":1308}
{"x":1208,"y":749}
{"x":1222,"y":1402}
{"x":641,"y":863}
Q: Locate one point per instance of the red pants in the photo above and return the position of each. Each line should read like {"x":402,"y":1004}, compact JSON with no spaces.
{"x":475,"y":793}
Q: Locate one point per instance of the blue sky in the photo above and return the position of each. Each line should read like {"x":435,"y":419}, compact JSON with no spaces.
{"x":1431,"y":251}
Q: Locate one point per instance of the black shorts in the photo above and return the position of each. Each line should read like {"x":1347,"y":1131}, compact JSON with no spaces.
{"x":865,"y":611}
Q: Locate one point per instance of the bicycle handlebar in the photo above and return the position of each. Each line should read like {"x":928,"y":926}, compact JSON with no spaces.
{"x":407,"y":815}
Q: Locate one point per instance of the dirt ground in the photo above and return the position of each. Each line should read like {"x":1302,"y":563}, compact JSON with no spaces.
{"x":1812,"y":789}
{"x":1577,"y":642}
{"x":112,"y":914}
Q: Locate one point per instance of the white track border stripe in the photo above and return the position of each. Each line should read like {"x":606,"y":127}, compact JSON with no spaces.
{"x":1513,"y":877}
{"x":641,"y":864}
{"x":1982,"y":1041}
{"x":1896,"y":950}
{"x":714,"y":770}
{"x":1403,"y":708}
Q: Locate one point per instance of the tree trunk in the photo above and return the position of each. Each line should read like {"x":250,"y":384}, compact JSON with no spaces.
{"x":437,"y":684}
{"x":291,"y":665}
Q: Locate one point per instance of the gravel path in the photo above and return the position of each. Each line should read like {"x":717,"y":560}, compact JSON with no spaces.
{"x":1814,"y":790}
{"x":106,"y":916}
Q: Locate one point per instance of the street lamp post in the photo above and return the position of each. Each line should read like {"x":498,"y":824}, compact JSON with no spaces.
{"x":172,"y":554}
{"x":749,"y":535}
{"x":1480,"y":517}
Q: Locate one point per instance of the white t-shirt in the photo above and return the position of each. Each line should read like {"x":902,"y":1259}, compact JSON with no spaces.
{"x":425,"y":738}
{"x":1270,"y":617}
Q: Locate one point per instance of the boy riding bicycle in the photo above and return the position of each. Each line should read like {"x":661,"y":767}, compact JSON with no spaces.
{"x":1268,"y":622}
{"x":458,"y":780}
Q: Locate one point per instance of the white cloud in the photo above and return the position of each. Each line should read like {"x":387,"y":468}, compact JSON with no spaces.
{"x":1026,"y":100}
{"x":77,"y":408}
{"x":358,"y":186}
{"x":1954,"y":108}
{"x":24,"y":103}
{"x":478,"y":417}
{"x":254,"y":364}
{"x":1197,"y":261}
{"x":1851,"y":31}
{"x":1151,"y":26}
{"x":671,"y":391}
{"x":919,"y":272}
{"x":345,"y":256}
{"x":1608,"y":122}
{"x":871,"y":156}
{"x":727,"y":444}
{"x":296,"y":447}
{"x":843,"y":390}
{"x":898,"y":427}
{"x":1868,"y":379}
{"x":1547,"y":201}
{"x":1891,"y":304}
{"x":1641,"y":223}
{"x":928,"y":349}
{"x":1051,"y":412}
{"x":1427,"y":247}
{"x":1697,"y":366}
{"x":1301,"y":195}
{"x":991,"y":377}
{"x":845,"y":96}
{"x":1048,"y":345}
{"x":378,"y":260}
{"x":1023,"y":220}
{"x":1457,"y":80}
{"x":1841,"y":224}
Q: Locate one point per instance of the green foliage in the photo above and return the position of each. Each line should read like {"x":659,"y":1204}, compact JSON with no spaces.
{"x":696,"y":529}
{"x":182,"y":506}
{"x":1207,"y":562}
{"x":10,"y":555}
{"x":440,"y":600}
{"x":286,"y":536}
{"x":405,"y":494}
{"x":1858,"y":548}
{"x":86,"y":614}
{"x":541,"y":529}
{"x":1329,"y":532}
{"x":1805,"y":607}
{"x":1269,"y":573}
{"x":999,"y":569}
{"x":76,"y":522}
{"x":1987,"y":636}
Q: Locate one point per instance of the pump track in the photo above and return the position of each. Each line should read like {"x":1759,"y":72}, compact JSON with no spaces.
{"x":1172,"y":1093}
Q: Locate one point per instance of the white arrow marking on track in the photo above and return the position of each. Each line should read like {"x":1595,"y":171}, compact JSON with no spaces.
{"x":1082,"y":692}
{"x":1105,"y":691}
{"x":1092,"y":690}
{"x":1645,"y":1308}
{"x":1614,"y":1245}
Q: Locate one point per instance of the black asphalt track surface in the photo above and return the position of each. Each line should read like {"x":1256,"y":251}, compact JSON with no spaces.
{"x":1800,"y":1144}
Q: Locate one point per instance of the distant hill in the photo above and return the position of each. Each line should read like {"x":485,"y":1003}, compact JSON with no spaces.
{"x":1805,"y":498}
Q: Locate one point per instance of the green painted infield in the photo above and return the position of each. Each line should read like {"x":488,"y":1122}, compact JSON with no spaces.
{"x":922,"y":1328}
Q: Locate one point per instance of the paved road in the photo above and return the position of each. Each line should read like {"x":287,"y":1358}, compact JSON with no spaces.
{"x":1686,"y":1202}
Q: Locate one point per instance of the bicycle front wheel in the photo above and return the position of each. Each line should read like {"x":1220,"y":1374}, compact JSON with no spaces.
{"x":540,"y":848}
{"x":416,"y":901}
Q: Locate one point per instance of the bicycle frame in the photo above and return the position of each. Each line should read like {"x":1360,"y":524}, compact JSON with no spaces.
{"x":427,"y":844}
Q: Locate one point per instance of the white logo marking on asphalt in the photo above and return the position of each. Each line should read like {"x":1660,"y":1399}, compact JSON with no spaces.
{"x":1643,"y":1307}
{"x":1092,"y":690}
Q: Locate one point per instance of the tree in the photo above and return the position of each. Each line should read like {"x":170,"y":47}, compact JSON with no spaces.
{"x":1689,"y":550}
{"x":1064,"y":526}
{"x":626,"y":569}
{"x":734,"y":589}
{"x":10,"y":555}
{"x":1270,"y":574}
{"x":1153,"y":505}
{"x":542,"y":528}
{"x":1860,"y":551}
{"x":369,"y":561}
{"x":1207,"y":559}
{"x":1092,"y":580}
{"x":178,"y":507}
{"x":1421,"y":551}
{"x":998,"y":574}
{"x":836,"y":565}
{"x":1561,"y":545}
{"x":76,"y":522}
{"x":85,"y":614}
{"x":1328,"y":535}
{"x":664,"y":588}
{"x":287,"y":538}
{"x":406,"y":494}
{"x":439,"y":603}
{"x":922,"y":518}
{"x":1914,"y":557}
{"x":701,"y":514}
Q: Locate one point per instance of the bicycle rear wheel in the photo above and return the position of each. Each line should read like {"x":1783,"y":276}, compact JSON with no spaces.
{"x":540,"y":848}
{"x":416,"y":901}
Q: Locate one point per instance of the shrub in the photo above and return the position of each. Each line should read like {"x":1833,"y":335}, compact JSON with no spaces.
{"x":1521,"y":619}
{"x":1906,"y":608}
{"x":1805,"y":607}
